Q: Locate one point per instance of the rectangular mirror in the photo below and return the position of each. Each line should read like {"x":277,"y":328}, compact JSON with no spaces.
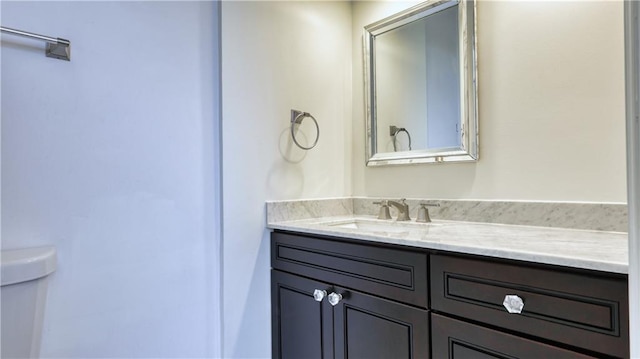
{"x":421,"y":86}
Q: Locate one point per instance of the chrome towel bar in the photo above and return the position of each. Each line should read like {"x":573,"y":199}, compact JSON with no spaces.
{"x":57,"y":48}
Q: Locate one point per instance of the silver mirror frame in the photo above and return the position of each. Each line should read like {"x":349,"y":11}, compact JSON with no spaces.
{"x":468,"y":151}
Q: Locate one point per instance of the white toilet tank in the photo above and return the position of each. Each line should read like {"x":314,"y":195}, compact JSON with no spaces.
{"x":23,"y":275}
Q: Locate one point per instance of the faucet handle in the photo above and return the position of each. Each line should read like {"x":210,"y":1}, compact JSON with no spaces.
{"x":384,"y":209}
{"x":423,"y":212}
{"x":430,"y":204}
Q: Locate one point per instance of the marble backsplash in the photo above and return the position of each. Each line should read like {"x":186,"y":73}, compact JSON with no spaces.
{"x":278,"y":211}
{"x":576,"y":215}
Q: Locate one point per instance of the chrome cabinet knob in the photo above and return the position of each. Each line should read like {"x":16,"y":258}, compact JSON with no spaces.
{"x":319,"y":295}
{"x":513,"y":304}
{"x":334,"y":298}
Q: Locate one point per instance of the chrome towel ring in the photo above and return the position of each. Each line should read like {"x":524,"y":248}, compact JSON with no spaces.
{"x":296,"y":120}
{"x":393,"y":132}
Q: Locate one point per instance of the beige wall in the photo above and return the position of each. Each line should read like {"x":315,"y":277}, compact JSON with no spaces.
{"x":551,"y":101}
{"x":276,"y":55}
{"x":551,"y":121}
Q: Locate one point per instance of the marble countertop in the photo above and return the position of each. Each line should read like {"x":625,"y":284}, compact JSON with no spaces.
{"x":586,"y":249}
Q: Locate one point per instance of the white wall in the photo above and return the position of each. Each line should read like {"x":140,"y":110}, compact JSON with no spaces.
{"x":407,"y":58}
{"x":443,"y":79}
{"x":400,"y":99}
{"x":111,"y":158}
{"x":276,"y":56}
{"x":551,"y":102}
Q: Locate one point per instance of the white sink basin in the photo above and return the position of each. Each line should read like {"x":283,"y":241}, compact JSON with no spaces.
{"x":379,"y":225}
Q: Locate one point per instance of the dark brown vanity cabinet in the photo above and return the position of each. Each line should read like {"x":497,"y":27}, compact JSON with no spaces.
{"x":577,"y":309}
{"x":399,"y":302}
{"x":457,"y":339}
{"x":362,"y":312}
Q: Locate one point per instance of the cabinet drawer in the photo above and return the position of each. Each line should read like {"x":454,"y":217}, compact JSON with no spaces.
{"x":389,"y":273}
{"x":459,"y":340}
{"x":580,"y":309}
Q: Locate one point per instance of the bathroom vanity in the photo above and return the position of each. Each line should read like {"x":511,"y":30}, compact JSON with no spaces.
{"x":345,"y":288}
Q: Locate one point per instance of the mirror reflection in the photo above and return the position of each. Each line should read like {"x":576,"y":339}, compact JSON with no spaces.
{"x":421,"y":85}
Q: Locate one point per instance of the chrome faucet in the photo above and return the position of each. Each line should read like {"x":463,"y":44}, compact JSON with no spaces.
{"x":403,"y":209}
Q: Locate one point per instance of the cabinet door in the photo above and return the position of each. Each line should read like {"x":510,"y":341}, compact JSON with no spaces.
{"x":371,"y":327}
{"x":455,"y":339}
{"x":302,"y":327}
